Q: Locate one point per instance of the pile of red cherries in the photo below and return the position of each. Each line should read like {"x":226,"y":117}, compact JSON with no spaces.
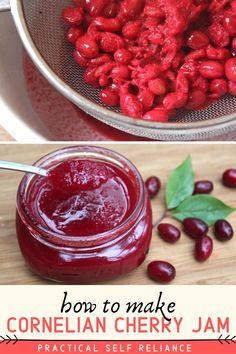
{"x":196,"y":229}
{"x":152,"y":57}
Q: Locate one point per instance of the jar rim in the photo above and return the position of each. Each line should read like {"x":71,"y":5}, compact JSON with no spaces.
{"x":60,"y":155}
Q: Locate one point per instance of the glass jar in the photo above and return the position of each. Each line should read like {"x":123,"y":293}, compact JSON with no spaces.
{"x":84,"y":259}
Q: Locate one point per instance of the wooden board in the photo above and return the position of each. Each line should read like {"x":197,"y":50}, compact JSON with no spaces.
{"x":209,"y":161}
{"x":4,"y":135}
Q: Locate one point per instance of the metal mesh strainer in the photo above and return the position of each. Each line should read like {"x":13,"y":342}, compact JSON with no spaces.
{"x":43,"y":33}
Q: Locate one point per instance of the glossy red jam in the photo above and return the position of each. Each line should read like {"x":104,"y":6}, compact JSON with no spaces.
{"x":89,"y":220}
{"x":82,"y":197}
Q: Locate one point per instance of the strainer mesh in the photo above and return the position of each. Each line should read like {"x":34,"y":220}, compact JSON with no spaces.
{"x":43,"y":19}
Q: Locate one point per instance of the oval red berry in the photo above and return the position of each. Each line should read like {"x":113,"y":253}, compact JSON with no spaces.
{"x":161,"y":271}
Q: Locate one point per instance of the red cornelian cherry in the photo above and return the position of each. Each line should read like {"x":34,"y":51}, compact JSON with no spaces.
{"x":131,"y":29}
{"x":157,"y":86}
{"x":110,"y":10}
{"x":198,"y":54}
{"x":100,"y":60}
{"x":229,"y":178}
{"x":103,"y":82}
{"x":120,"y":72}
{"x":211,"y":69}
{"x":233,"y":44}
{"x":161,"y":271}
{"x":131,"y":106}
{"x":151,"y":11}
{"x":150,"y":71}
{"x":90,"y":77}
{"x":233,"y":5}
{"x":132,"y":8}
{"x":218,"y":35}
{"x":109,"y":97}
{"x":232,"y":88}
{"x":160,"y":115}
{"x":104,"y":69}
{"x":223,"y":230}
{"x":95,"y":7}
{"x":201,"y":84}
{"x":153,"y":185}
{"x":230,"y":24}
{"x":197,"y":40}
{"x":196,"y":99}
{"x":230,"y":69}
{"x":82,"y":61}
{"x":175,"y":100}
{"x":195,"y":227}
{"x":146,"y":97}
{"x":74,"y":16}
{"x":219,"y":87}
{"x":73,"y":34}
{"x":217,"y":53}
{"x":168,"y":232}
{"x":203,"y":187}
{"x":87,"y":46}
{"x":123,"y":56}
{"x":203,"y":248}
{"x":110,"y":42}
{"x":107,"y":24}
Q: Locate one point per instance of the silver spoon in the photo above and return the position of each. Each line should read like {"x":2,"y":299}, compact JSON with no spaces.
{"x":7,"y":165}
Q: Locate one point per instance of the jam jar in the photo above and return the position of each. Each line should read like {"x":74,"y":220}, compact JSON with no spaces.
{"x":89,"y":220}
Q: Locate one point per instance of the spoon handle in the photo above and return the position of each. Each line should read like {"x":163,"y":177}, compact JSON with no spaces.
{"x":7,"y":165}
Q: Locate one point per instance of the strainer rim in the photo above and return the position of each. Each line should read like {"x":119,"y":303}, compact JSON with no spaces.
{"x":86,"y":104}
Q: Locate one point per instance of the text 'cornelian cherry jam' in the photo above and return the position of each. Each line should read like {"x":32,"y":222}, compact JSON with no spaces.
{"x":89,"y":220}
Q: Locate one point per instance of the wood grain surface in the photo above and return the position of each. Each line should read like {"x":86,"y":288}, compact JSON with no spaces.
{"x":4,"y":135}
{"x":209,"y":160}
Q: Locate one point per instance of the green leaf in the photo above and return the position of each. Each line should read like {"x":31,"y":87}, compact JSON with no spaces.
{"x":180,"y":184}
{"x":204,"y":207}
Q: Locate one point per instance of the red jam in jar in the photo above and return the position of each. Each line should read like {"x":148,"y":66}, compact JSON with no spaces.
{"x":89,"y":220}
